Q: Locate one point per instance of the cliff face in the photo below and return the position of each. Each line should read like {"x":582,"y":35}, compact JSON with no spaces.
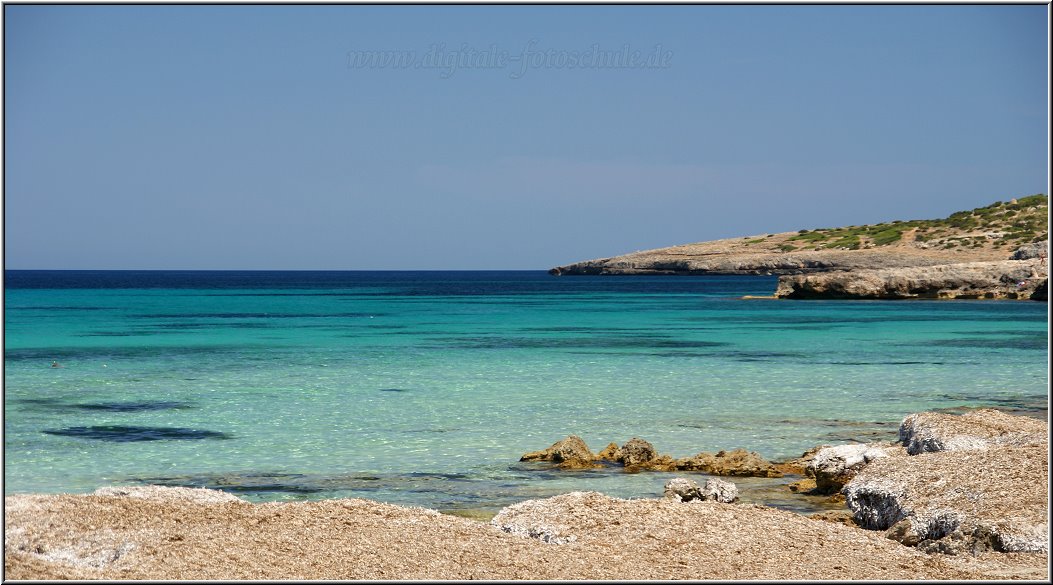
{"x":1007,"y":279}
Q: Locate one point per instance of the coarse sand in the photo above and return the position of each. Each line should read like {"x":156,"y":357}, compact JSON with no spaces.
{"x":178,"y":533}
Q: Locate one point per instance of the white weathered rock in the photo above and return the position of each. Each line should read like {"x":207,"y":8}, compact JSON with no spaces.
{"x":719,"y":490}
{"x":682,"y":489}
{"x":714,"y":490}
{"x":548,"y":520}
{"x":956,"y":501}
{"x":833,"y":467}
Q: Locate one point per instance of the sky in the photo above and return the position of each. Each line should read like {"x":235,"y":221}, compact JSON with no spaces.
{"x":461,"y":137}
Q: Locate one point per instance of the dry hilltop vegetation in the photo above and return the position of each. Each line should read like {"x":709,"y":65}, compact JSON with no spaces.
{"x":990,"y":251}
{"x":957,"y":497}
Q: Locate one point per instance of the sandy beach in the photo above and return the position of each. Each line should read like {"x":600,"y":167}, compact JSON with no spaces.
{"x":178,"y":533}
{"x":960,"y":497}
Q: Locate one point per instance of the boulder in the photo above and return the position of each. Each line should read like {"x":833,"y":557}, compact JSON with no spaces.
{"x":640,"y":455}
{"x":832,"y":467}
{"x":719,"y":490}
{"x":926,"y":432}
{"x":570,"y":453}
{"x":682,"y":489}
{"x":637,"y":453}
{"x":737,"y":462}
{"x":715,"y":490}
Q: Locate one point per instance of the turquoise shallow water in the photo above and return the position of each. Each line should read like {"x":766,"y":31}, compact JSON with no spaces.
{"x":425,"y":388}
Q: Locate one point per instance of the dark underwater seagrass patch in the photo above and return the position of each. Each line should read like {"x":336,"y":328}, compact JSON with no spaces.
{"x":123,"y":434}
{"x":53,"y":404}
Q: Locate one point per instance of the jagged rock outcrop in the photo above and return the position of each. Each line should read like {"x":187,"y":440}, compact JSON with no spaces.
{"x":833,"y":467}
{"x":639,"y":455}
{"x":964,"y":483}
{"x":1007,"y":279}
{"x":637,"y":452}
{"x":635,"y":455}
{"x":569,"y":453}
{"x":737,"y":462}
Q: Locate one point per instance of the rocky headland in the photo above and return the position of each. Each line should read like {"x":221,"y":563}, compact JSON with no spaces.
{"x":982,"y":253}
{"x":957,"y":497}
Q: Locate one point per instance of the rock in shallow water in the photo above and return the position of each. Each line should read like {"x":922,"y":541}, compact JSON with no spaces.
{"x":737,"y":462}
{"x":571,"y":452}
{"x":637,"y":452}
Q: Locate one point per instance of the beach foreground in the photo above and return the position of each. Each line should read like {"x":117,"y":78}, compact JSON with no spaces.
{"x":958,"y":497}
{"x":180,"y":533}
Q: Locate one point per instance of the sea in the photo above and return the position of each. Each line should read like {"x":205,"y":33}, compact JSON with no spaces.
{"x":426,"y":388}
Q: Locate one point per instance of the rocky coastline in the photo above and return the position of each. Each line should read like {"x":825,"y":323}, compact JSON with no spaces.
{"x":862,"y":274}
{"x":956,"y":497}
{"x":970,"y":255}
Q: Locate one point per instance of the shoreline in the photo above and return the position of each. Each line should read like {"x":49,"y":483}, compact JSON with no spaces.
{"x":151,"y":532}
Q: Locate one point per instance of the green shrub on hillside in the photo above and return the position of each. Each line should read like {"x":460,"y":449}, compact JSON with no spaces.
{"x":1023,"y":221}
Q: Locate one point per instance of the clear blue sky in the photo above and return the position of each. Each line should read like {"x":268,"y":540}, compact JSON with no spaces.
{"x":227,"y":137}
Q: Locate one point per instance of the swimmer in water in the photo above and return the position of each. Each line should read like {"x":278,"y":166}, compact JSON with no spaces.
{"x":55,"y":364}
